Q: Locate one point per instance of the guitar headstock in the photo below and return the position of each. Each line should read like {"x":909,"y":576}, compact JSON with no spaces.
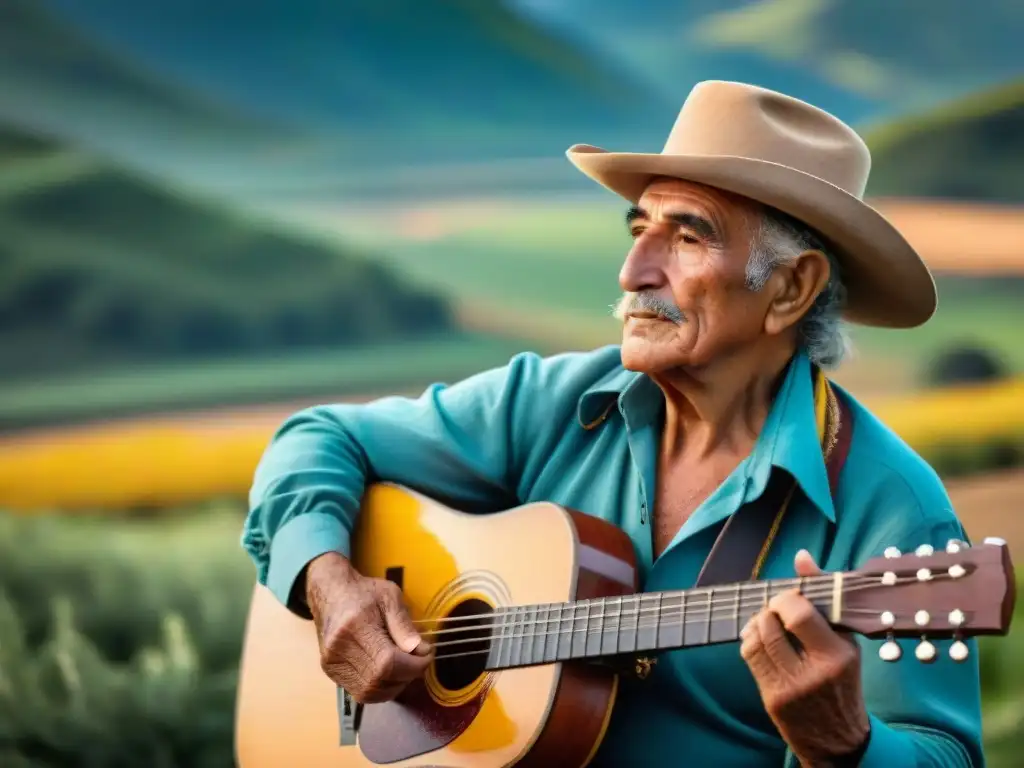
{"x":958,"y":592}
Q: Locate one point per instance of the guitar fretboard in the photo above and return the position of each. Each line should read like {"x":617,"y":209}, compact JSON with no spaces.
{"x":606,"y":627}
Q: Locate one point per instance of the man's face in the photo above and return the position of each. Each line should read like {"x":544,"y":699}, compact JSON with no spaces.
{"x":686,"y":301}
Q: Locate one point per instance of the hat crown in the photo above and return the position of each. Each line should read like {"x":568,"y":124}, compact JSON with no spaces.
{"x":721,"y":118}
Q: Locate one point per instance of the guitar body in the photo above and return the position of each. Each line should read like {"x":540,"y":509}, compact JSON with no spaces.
{"x":448,"y":563}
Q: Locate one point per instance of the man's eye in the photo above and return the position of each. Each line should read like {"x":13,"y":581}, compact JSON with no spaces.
{"x":689,"y":239}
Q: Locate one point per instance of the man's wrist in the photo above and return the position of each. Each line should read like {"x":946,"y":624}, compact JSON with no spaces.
{"x":853,"y":759}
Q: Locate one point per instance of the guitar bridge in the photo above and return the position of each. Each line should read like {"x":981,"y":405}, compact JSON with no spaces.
{"x":350,"y":713}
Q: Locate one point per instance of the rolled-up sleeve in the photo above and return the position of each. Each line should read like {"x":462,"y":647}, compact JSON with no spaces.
{"x":462,"y":443}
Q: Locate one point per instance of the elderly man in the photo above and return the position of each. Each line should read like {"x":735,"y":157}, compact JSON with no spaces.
{"x":751,"y":245}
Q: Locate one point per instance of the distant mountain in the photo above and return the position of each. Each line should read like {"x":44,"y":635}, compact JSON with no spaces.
{"x":54,"y":80}
{"x":969,"y":149}
{"x":862,"y":59}
{"x":379,"y":84}
{"x":99,"y":265}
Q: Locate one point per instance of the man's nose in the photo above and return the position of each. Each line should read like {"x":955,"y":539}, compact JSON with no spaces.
{"x":644,"y":267}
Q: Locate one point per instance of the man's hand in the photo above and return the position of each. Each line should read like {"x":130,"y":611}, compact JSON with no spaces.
{"x":813,"y":694}
{"x":368,"y":644}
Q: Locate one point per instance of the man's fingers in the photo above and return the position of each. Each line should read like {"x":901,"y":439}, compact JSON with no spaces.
{"x":406,"y":667}
{"x":799,"y":616}
{"x":805,"y":565}
{"x":776,"y":644}
{"x":399,"y":623}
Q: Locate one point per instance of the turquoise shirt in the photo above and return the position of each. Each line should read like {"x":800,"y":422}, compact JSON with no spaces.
{"x":525,"y":433}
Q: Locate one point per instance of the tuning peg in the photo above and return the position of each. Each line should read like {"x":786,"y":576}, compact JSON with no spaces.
{"x":995,"y":541}
{"x":956,"y":571}
{"x":924,"y":550}
{"x":925,"y":652}
{"x":890,"y":650}
{"x":958,"y":651}
{"x":891,"y":552}
{"x":954,"y":545}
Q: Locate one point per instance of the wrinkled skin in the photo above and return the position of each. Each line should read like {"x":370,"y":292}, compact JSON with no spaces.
{"x":368,"y":643}
{"x":811,"y":692}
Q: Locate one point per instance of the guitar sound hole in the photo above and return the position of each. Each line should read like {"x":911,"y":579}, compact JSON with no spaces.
{"x":473,"y":636}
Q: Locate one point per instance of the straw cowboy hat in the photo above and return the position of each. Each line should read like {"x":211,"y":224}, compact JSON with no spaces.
{"x":785,"y":153}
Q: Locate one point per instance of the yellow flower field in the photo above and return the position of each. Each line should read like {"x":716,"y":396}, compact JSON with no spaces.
{"x":166,"y":461}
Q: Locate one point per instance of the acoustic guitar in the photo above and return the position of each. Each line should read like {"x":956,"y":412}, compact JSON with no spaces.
{"x":521,"y":604}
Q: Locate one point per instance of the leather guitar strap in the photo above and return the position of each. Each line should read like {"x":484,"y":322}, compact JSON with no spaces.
{"x":741,"y":546}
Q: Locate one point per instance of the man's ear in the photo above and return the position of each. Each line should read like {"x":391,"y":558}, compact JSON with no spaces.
{"x":794,"y":288}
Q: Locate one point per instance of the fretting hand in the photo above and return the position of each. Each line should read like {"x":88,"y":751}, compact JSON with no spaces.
{"x":812,"y":694}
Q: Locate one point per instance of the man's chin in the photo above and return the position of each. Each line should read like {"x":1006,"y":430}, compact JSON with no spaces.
{"x":642,"y":355}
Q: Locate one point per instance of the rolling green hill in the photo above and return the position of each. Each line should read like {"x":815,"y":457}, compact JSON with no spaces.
{"x":422,"y":98}
{"x":969,"y":149}
{"x":99,"y":266}
{"x":366,"y":85}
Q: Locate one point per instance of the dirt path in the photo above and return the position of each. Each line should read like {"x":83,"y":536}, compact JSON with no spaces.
{"x":992,"y":505}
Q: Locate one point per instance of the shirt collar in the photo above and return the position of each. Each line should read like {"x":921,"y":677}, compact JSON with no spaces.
{"x":788,"y":441}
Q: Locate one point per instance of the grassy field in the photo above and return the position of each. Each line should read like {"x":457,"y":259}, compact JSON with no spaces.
{"x":250,"y":380}
{"x":161,"y":461}
{"x":120,"y":639}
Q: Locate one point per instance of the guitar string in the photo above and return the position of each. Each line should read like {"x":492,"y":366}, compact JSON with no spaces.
{"x":689,"y":613}
{"x":717,"y":602}
{"x":618,"y":629}
{"x":675,"y":619}
{"x":793,"y":582}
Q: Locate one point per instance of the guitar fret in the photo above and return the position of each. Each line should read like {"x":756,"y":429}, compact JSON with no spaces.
{"x":579,"y":631}
{"x":670,"y":624}
{"x":647,"y":629}
{"x":504,"y":642}
{"x":609,"y":636}
{"x":530,"y":634}
{"x":721,"y":624}
{"x":549,"y":644}
{"x":628,"y":629}
{"x":540,"y":636}
{"x":565,"y":631}
{"x":595,"y":625}
{"x":518,"y":629}
{"x":494,"y":642}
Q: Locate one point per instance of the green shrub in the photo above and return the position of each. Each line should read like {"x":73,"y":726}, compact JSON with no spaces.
{"x":120,"y":640}
{"x":961,"y":459}
{"x":965,"y":364}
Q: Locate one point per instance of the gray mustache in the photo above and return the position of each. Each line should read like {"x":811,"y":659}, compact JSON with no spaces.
{"x":648,"y":301}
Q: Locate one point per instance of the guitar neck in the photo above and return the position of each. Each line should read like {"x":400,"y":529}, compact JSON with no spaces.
{"x":647,"y":622}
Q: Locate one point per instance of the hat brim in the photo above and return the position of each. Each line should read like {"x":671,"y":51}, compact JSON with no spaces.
{"x":887,"y":282}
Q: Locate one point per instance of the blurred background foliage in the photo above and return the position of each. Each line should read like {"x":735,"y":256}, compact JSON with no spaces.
{"x":214,"y":213}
